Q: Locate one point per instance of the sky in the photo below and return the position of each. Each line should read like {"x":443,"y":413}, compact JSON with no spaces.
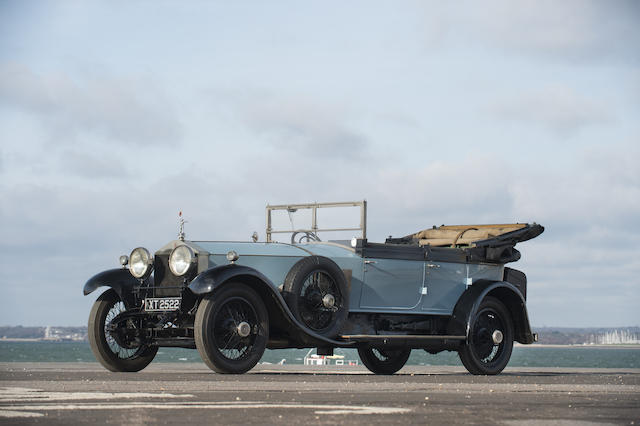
{"x":115,"y":116}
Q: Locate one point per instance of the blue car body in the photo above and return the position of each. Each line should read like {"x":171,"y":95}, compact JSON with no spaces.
{"x":386,"y":286}
{"x":238,"y":298}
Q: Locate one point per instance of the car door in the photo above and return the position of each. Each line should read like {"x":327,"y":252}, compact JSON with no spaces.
{"x":392,"y":284}
{"x":444,"y":283}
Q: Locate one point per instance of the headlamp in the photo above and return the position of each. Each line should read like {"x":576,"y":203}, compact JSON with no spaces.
{"x":181,"y":260}
{"x":140,"y":262}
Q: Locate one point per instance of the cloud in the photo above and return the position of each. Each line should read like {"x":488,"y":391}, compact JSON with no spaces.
{"x":575,"y":31}
{"x":122,"y":110}
{"x":296,"y":124}
{"x":64,"y":233}
{"x":471,"y":190}
{"x":559,"y":109}
{"x":601,"y":190}
{"x":92,"y":166}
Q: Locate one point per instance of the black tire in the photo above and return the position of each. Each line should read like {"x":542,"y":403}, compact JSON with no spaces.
{"x":481,"y":355}
{"x":306,"y":286}
{"x":218,"y":329}
{"x":384,"y":361}
{"x":110,"y":345}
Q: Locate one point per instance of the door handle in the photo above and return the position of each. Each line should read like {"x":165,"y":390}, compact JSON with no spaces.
{"x":432,"y":265}
{"x":368,"y":262}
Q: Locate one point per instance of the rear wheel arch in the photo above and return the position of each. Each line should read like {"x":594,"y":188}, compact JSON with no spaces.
{"x":506,"y":293}
{"x":513,"y":301}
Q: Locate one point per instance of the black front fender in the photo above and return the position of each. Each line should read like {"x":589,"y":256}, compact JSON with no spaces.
{"x":213,"y":278}
{"x":467,"y":307}
{"x":120,"y":280}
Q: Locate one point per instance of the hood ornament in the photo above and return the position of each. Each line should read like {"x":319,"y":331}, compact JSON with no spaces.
{"x":181,"y":223}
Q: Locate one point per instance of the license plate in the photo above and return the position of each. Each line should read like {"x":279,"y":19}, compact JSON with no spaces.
{"x":154,"y":304}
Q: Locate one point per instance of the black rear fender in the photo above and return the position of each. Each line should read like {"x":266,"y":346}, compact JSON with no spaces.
{"x":468,"y":304}
{"x":120,"y":280}
{"x":280,"y":317}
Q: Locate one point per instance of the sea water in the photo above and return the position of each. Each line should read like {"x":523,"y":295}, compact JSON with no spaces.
{"x":523,"y":356}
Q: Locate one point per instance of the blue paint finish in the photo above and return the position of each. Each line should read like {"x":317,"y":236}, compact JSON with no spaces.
{"x":274,"y":260}
{"x":251,"y":248}
{"x":273,"y":267}
{"x":445,"y":282}
{"x":392,"y":285}
{"x":385,"y":286}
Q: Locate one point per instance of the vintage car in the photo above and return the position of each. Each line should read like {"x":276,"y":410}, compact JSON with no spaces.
{"x":443,"y":288}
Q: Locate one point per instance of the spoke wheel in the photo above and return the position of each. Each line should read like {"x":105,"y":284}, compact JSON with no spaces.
{"x":231,"y":329}
{"x":490,"y":341}
{"x":316,"y":292}
{"x":111,"y":340}
{"x":384,"y":360}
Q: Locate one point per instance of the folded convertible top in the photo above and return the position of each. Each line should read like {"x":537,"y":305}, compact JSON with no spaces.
{"x":474,"y":243}
{"x":474,"y":235}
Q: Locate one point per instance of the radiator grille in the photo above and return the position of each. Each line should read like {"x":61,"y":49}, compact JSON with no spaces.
{"x":164,"y":278}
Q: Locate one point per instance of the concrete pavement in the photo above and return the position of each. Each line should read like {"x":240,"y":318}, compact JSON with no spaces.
{"x":85,"y":393}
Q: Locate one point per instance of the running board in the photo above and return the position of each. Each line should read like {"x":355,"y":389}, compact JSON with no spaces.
{"x":174,"y":342}
{"x":391,"y":337}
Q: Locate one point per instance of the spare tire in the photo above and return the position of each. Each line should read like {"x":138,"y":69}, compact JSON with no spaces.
{"x":317,"y":293}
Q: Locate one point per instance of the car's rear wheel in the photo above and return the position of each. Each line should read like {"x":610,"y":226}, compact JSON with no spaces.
{"x":490,"y":341}
{"x":383,"y":360}
{"x":112,"y":341}
{"x":316,"y":292}
{"x":231,"y":329}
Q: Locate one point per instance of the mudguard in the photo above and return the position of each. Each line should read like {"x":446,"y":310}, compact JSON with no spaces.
{"x":120,"y":280}
{"x":213,"y":278}
{"x":468,"y":304}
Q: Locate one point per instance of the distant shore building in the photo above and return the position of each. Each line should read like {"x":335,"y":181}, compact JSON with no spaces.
{"x":614,"y":337}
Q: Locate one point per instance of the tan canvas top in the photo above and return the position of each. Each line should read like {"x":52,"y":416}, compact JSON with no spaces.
{"x":452,"y":235}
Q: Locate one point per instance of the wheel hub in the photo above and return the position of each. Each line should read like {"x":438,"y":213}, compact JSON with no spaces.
{"x":328,"y":301}
{"x":243,"y":329}
{"x":497,"y":337}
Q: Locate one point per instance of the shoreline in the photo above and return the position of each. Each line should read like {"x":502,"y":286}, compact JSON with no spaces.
{"x":579,"y":345}
{"x":515,"y":344}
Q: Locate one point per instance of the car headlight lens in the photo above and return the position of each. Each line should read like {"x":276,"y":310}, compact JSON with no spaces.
{"x":140,"y":262}
{"x":181,"y":260}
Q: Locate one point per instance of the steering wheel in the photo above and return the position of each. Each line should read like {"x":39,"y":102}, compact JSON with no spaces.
{"x":305,"y":237}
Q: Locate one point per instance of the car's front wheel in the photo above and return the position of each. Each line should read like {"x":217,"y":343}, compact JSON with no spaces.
{"x":231,"y":329}
{"x":490,"y":341}
{"x":112,"y":340}
{"x":382,"y":360}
